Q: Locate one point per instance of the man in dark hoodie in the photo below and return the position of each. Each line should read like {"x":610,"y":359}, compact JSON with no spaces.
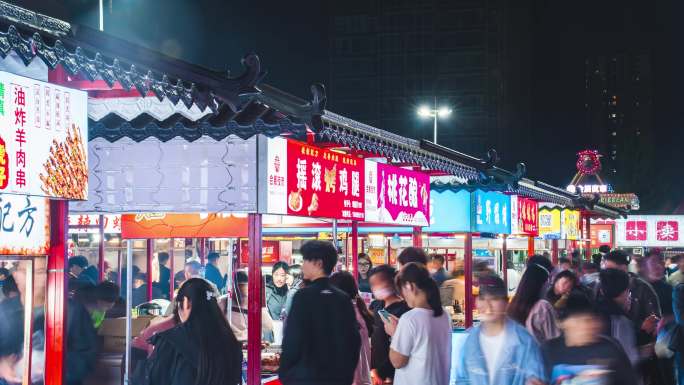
{"x":321,"y":344}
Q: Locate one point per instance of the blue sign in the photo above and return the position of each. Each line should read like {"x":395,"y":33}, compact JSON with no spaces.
{"x":490,"y":212}
{"x":449,"y":212}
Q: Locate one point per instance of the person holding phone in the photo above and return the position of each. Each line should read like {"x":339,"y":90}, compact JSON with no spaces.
{"x":421,"y":339}
{"x":381,"y":279}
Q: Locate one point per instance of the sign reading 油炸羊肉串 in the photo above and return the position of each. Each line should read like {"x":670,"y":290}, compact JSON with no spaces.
{"x":43,"y":138}
{"x":24,"y":225}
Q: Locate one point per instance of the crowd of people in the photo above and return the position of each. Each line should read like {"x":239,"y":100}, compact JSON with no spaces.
{"x":614,"y":320}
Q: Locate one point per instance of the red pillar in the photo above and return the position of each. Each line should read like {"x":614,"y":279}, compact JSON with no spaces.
{"x":172,"y":266}
{"x":587,"y":228}
{"x":56,"y":304}
{"x":150,"y":250}
{"x":418,"y":236}
{"x":504,"y":261}
{"x":468,"y":267}
{"x":254,"y":305}
{"x":530,"y":246}
{"x":355,"y":248}
{"x":101,"y":252}
{"x":554,"y":251}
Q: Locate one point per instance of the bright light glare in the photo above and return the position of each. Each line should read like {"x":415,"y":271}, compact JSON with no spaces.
{"x":424,"y":111}
{"x":444,"y":112}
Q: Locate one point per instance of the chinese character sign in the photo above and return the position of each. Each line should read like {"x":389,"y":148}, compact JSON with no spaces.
{"x":490,"y":212}
{"x":649,"y":231}
{"x":570,"y":225}
{"x":163,"y":225}
{"x":524,"y":216}
{"x":24,"y":225}
{"x":549,"y":223}
{"x":310,"y":181}
{"x":89,"y":224}
{"x":43,"y":137}
{"x":395,"y":195}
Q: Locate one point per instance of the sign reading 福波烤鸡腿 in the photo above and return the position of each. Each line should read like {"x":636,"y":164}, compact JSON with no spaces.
{"x":490,"y":212}
{"x":396,"y":195}
{"x":305,"y":180}
{"x":43,"y":137}
{"x":524,"y":216}
{"x":23,"y":225}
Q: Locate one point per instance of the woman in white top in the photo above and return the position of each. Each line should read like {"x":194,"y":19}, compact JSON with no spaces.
{"x":238,"y":312}
{"x":421,"y":338}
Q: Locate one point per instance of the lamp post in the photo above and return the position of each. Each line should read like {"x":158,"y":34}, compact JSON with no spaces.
{"x":427,"y":112}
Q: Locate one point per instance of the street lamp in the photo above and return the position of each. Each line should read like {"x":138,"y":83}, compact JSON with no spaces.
{"x":427,"y":112}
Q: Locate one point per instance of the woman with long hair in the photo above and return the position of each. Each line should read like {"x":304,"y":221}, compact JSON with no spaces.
{"x":421,"y":338}
{"x":365,"y":265}
{"x":202,"y":350}
{"x":563,"y":284}
{"x":344,"y":281}
{"x":529,"y":307}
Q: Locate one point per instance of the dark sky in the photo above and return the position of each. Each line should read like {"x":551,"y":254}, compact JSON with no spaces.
{"x":292,"y":40}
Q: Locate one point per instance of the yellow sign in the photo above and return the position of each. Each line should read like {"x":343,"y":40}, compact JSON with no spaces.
{"x":550,"y":223}
{"x":571,"y":225}
{"x":377,"y":255}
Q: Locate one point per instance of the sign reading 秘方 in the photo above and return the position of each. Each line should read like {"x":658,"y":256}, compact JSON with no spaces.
{"x":524,"y":216}
{"x":24,"y":225}
{"x":309,"y":181}
{"x":43,"y":137}
{"x":491,"y":212}
{"x":396,"y":195}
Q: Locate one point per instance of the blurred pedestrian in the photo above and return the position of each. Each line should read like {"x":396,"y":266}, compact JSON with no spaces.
{"x":297,"y":283}
{"x":276,"y":291}
{"x":421,"y":339}
{"x":344,"y":281}
{"x":321,"y":343}
{"x":200,"y":350}
{"x":590,"y":272}
{"x":140,"y":290}
{"x":11,"y":342}
{"x":564,"y":264}
{"x":212,"y":273}
{"x":4,"y":273}
{"x":238,"y":312}
{"x":582,"y":355}
{"x":529,"y":306}
{"x":412,"y":254}
{"x":437,"y":270}
{"x":613,"y":307}
{"x":164,"y":284}
{"x":498,"y":351}
{"x":677,"y":277}
{"x":382,"y":285}
{"x":365,"y":264}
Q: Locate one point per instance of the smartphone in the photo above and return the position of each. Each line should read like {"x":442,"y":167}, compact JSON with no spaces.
{"x":384,"y":314}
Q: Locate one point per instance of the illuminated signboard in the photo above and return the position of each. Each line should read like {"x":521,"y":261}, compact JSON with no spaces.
{"x":43,"y":137}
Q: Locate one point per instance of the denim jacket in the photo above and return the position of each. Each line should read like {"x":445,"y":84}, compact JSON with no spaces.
{"x":519,"y":360}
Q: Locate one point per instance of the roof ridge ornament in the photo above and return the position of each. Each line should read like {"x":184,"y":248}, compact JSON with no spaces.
{"x":33,"y":19}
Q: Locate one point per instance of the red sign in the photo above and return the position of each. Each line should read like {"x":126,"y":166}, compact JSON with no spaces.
{"x":270,"y":251}
{"x":323,"y":183}
{"x":667,"y":230}
{"x":636,"y":230}
{"x":601,"y":234}
{"x":160,"y":225}
{"x":528,"y":216}
{"x":396,"y":195}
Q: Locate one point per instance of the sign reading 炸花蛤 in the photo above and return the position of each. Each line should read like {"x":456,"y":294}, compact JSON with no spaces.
{"x":43,"y":138}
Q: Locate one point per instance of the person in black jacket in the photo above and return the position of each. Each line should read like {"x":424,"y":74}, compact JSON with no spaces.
{"x":202,"y":350}
{"x":164,"y":283}
{"x":321,"y":344}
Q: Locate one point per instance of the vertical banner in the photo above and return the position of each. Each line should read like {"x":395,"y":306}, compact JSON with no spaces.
{"x":524,"y":216}
{"x":490,"y":212}
{"x":403,"y":196}
{"x":570,"y":225}
{"x":550,"y":223}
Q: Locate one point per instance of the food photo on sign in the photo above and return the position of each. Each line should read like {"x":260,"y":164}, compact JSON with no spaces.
{"x":42,"y":139}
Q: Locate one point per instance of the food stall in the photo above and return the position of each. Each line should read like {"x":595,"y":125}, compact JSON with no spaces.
{"x":638,"y":233}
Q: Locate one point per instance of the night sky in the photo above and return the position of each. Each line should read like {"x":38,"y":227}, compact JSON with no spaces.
{"x":292,"y":40}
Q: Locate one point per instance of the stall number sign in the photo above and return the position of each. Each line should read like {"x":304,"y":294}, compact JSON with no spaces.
{"x":43,"y":137}
{"x":396,"y":195}
{"x":309,"y":181}
{"x":23,"y":225}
